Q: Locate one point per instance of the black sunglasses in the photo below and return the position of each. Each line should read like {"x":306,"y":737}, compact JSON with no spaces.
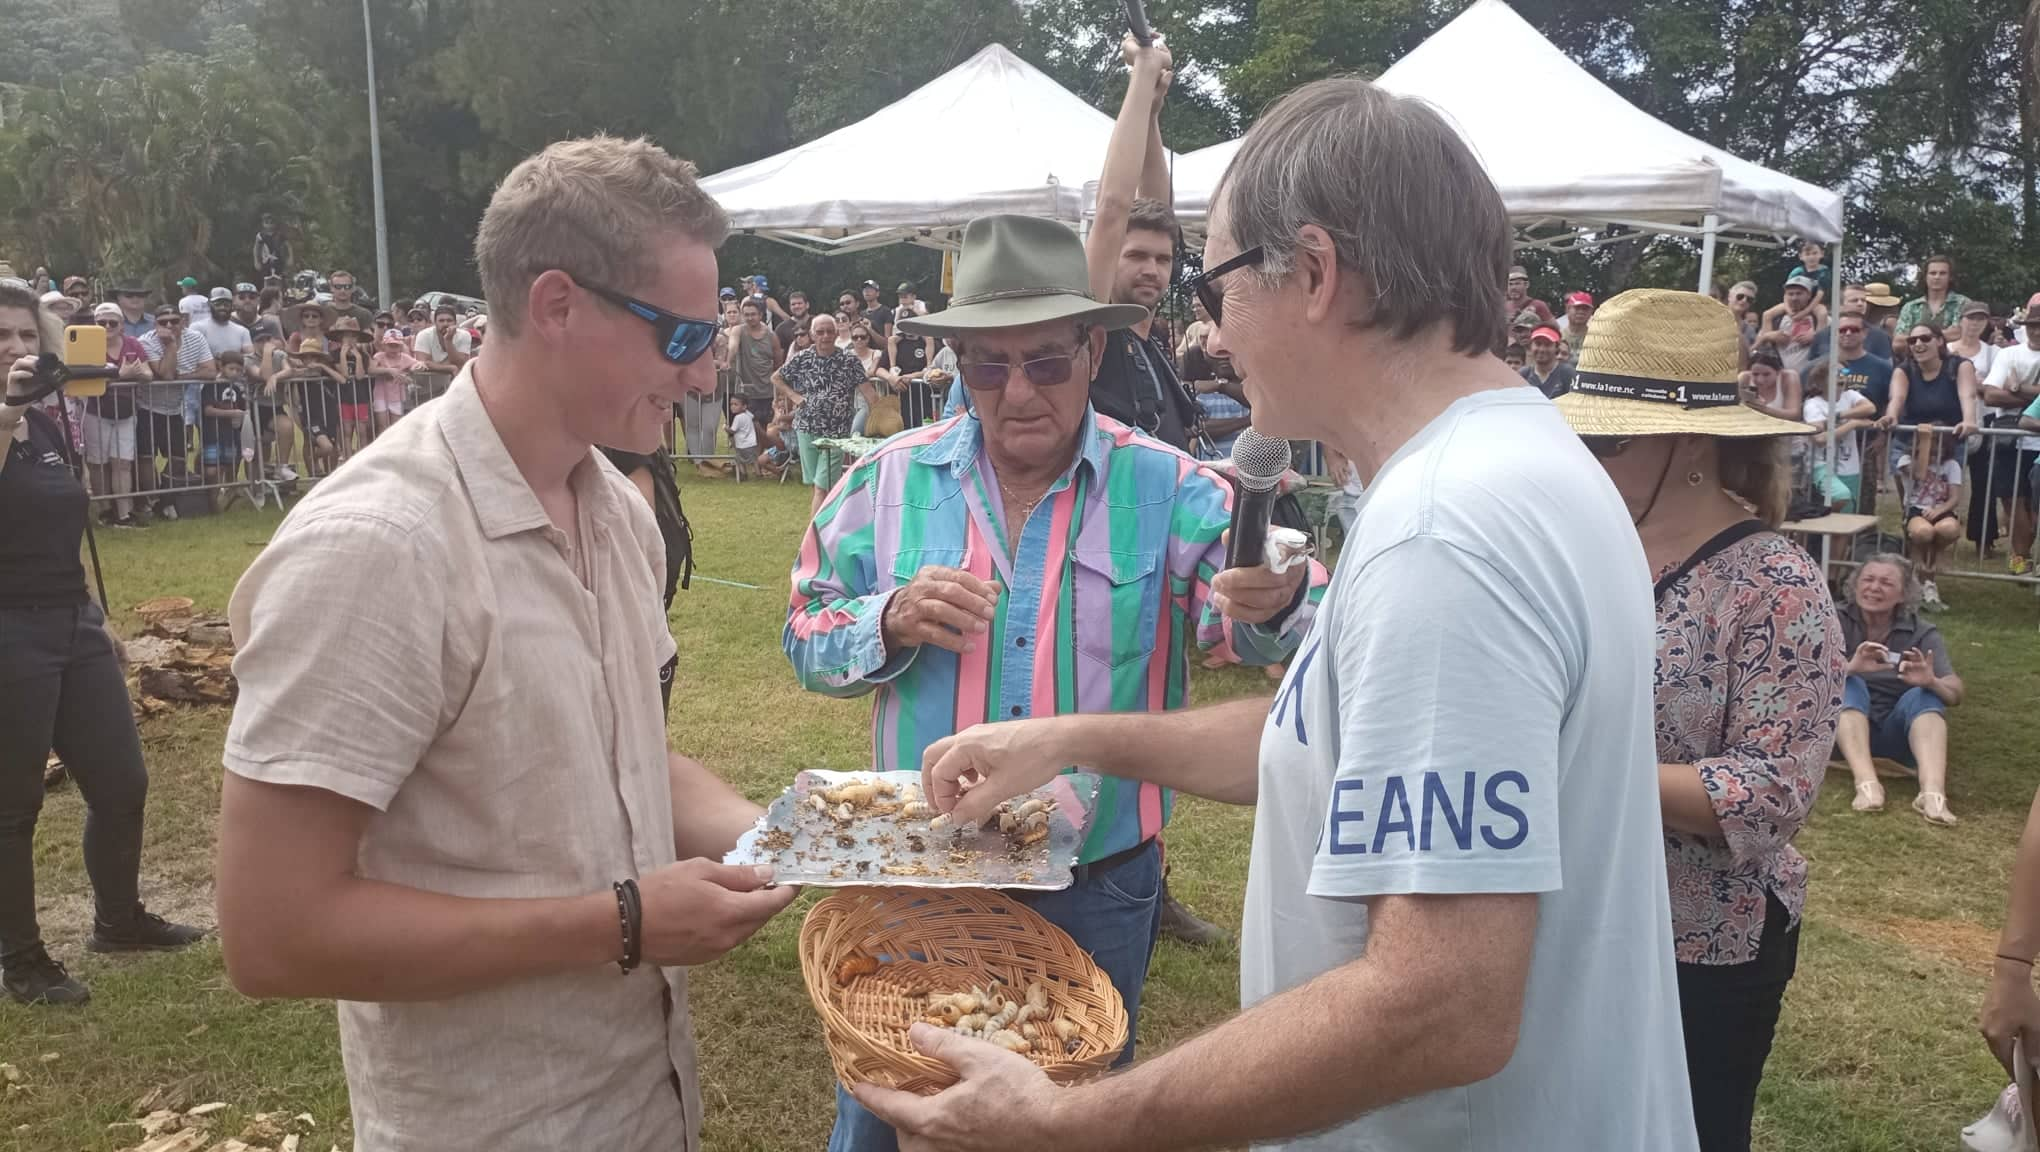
{"x":681,"y":339}
{"x":1205,"y":284}
{"x":1921,"y":340}
{"x":1046,"y":372}
{"x":1606,"y":447}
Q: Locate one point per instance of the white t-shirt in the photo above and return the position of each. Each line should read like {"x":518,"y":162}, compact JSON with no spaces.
{"x":743,"y":431}
{"x":1848,"y":454}
{"x":2017,"y":366}
{"x":1471,"y":712}
{"x":227,"y":337}
{"x":428,"y":347}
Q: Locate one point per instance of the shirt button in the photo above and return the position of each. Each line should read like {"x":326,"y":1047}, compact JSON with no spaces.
{"x":1019,"y":641}
{"x":1016,"y":709}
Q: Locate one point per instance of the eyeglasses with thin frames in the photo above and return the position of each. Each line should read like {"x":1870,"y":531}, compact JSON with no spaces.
{"x":1042,"y":372}
{"x":1205,"y":284}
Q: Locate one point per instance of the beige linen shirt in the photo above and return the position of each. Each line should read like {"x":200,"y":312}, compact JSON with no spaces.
{"x":420,"y":638}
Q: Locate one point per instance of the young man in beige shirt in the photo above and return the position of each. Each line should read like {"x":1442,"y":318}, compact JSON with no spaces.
{"x":449,"y":802}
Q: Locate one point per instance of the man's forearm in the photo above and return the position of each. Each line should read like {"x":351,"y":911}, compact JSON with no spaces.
{"x":1154,"y":168}
{"x":356,"y":939}
{"x":1356,"y":1038}
{"x":708,"y":814}
{"x":1120,"y":181}
{"x":296,"y":920}
{"x":1212,"y":751}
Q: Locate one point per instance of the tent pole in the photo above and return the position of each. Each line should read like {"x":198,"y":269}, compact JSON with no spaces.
{"x":1708,"y":228}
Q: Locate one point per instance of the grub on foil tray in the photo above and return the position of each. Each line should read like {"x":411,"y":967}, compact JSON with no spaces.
{"x":844,"y":829}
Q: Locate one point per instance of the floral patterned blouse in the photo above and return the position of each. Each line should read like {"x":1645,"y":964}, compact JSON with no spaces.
{"x":1749,"y":686}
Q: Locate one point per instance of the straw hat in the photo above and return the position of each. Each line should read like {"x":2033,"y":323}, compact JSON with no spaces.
{"x":1877,"y":294}
{"x":312,"y":346}
{"x":1663,"y":363}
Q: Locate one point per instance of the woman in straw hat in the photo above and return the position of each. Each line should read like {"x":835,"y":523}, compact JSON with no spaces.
{"x":1749,"y":668}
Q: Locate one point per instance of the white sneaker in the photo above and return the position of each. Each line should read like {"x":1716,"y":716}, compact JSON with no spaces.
{"x":2002,"y":1129}
{"x":1930,"y":596}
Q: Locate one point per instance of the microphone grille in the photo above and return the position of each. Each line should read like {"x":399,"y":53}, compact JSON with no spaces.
{"x":1259,"y":461}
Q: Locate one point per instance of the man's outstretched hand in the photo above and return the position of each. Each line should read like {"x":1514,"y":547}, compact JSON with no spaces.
{"x":967,"y":775}
{"x":1002,"y":1101}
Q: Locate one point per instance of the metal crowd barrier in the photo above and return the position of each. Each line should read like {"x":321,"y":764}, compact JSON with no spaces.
{"x":1995,"y":511}
{"x":285,"y":435}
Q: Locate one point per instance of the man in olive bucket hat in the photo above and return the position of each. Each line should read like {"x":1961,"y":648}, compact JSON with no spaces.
{"x":1030,"y":557}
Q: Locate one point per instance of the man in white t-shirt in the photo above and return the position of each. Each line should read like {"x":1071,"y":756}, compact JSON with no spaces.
{"x":1457,"y":933}
{"x":443,"y":345}
{"x":2011,"y":387}
{"x":220,"y":331}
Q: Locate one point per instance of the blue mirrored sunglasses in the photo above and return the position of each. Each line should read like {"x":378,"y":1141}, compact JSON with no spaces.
{"x":681,"y":339}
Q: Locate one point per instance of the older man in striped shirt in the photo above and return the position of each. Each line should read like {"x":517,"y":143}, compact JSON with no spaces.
{"x":1028,"y":558}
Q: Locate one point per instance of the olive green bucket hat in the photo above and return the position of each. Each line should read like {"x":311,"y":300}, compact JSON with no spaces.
{"x":1020,"y":270}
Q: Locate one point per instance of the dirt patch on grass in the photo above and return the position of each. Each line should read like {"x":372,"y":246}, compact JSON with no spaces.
{"x":1963,"y":943}
{"x":66,"y":917}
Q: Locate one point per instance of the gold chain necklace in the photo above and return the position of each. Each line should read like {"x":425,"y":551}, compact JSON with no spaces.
{"x":1026,"y":507}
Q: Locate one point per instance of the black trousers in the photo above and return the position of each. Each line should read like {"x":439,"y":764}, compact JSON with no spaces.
{"x":1730,"y":1013}
{"x":61,"y":688}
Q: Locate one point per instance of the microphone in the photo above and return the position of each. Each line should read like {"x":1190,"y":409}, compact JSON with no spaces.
{"x":1136,"y":21}
{"x":1258,"y":464}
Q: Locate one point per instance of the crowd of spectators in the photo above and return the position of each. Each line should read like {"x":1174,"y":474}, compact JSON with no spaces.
{"x":312,"y":374}
{"x":216,"y":394}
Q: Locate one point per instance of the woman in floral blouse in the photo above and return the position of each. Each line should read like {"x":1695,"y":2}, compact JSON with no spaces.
{"x":1749,"y":670}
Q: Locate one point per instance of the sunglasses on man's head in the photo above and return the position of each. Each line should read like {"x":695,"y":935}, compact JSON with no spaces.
{"x":1205,"y":285}
{"x":681,"y":339}
{"x":1044,"y":372}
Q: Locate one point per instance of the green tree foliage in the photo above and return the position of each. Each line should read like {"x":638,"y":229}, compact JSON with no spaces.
{"x":163,"y":169}
{"x":145,"y":136}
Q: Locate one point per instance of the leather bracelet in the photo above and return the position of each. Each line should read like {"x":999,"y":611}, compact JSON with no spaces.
{"x":630,"y":916}
{"x":2015,"y":959}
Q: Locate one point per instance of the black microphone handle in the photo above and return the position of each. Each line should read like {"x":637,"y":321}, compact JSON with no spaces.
{"x":1136,"y":21}
{"x":1252,"y":511}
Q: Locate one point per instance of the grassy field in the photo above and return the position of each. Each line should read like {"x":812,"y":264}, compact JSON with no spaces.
{"x":1877,"y":1049}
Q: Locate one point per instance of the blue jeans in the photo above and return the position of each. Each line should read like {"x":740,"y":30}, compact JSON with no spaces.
{"x":1114,"y":914}
{"x":1889,"y":734}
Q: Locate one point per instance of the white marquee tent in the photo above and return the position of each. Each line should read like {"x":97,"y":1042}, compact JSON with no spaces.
{"x":1619,"y":166}
{"x":999,"y":136}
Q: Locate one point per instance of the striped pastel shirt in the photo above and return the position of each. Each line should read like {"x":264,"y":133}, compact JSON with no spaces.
{"x":1110,"y":575}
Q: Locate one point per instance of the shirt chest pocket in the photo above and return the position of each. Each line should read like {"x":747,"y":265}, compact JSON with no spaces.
{"x":907,"y":563}
{"x":1118,"y":599}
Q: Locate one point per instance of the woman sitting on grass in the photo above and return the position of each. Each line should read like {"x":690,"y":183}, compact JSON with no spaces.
{"x":1899,"y":689}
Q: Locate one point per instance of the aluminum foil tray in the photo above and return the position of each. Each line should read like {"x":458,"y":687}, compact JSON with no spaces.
{"x":877,"y":847}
